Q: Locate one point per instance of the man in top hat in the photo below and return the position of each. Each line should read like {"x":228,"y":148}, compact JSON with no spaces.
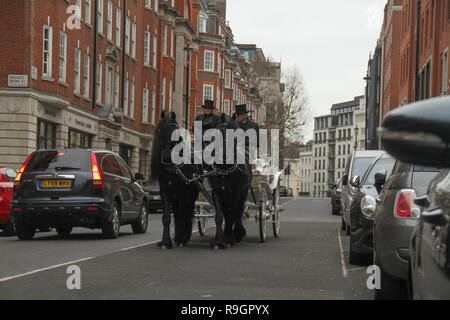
{"x":208,"y":118}
{"x":245,"y":123}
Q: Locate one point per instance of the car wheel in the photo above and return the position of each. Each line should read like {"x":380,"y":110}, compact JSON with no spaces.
{"x":25,"y":231}
{"x":391,"y":289}
{"x":356,"y":258}
{"x":112,"y":229}
{"x":64,"y":231}
{"x":141,"y":224}
{"x":9,"y":229}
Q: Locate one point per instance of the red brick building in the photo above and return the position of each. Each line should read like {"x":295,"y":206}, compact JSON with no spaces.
{"x":98,"y":73}
{"x":414,"y":69}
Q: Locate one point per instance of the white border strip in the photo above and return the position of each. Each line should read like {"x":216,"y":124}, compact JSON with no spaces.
{"x":341,"y":251}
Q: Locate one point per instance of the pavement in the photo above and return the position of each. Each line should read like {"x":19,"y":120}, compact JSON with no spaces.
{"x":308,"y":261}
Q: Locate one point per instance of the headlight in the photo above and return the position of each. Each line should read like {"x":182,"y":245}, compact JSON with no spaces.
{"x":368,"y":206}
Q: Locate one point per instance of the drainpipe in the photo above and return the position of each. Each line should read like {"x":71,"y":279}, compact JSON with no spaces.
{"x":417,"y":86}
{"x":94,"y":78}
{"x":124,"y":22}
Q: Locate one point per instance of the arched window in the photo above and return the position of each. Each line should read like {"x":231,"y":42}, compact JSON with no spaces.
{"x":202,"y":19}
{"x":186,"y":11}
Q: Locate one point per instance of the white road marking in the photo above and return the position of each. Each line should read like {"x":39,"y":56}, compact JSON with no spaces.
{"x":44,"y":269}
{"x":341,"y":251}
{"x":288,"y":202}
{"x":138,"y":246}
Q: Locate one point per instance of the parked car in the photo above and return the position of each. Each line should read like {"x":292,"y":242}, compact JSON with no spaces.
{"x":291,"y":192}
{"x":357,"y":164}
{"x":394,"y":222}
{"x":336,"y":191}
{"x":154,"y":197}
{"x":77,"y":188}
{"x":7,"y":176}
{"x":363,"y":206}
{"x":419,"y":133}
{"x":283,"y":191}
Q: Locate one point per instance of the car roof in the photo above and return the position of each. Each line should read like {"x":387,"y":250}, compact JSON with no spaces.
{"x":80,"y":150}
{"x":369,"y":153}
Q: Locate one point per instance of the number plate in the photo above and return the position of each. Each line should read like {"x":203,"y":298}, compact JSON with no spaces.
{"x":56,"y":184}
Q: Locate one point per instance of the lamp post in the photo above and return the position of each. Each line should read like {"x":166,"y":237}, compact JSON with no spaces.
{"x":367,"y":79}
{"x":188,"y":50}
{"x":356,"y":138}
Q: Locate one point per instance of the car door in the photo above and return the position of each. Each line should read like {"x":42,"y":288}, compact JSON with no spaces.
{"x":112,"y":176}
{"x":130,"y":190}
{"x":432,"y":276}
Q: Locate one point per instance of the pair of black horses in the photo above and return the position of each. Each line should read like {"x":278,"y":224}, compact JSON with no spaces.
{"x":179,"y":189}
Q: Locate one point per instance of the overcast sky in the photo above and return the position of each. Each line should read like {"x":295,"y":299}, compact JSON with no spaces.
{"x":329,"y":41}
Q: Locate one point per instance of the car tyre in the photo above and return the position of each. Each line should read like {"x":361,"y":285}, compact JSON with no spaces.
{"x":25,"y":231}
{"x":9,"y":231}
{"x":141,"y":224}
{"x":391,"y":289}
{"x":64,"y":231}
{"x":356,"y":258}
{"x":112,"y":229}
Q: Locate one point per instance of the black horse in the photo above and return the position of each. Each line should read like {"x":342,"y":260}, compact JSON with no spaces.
{"x":176,"y":191}
{"x":230,"y":185}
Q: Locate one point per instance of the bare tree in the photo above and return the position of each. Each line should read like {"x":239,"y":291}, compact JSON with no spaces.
{"x":286,"y":107}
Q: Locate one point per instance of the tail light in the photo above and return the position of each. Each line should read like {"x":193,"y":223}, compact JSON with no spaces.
{"x":97,"y":178}
{"x":405,"y":206}
{"x":19,"y":175}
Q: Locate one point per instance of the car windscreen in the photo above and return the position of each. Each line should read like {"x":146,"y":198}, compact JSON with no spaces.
{"x":422,"y":177}
{"x":70,"y":160}
{"x":381,"y":165}
{"x":360,"y":166}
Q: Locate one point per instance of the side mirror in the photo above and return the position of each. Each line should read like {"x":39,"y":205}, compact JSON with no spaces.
{"x":355,"y":181}
{"x":345,"y":180}
{"x":419,"y":132}
{"x":380,"y":178}
{"x":139,"y":176}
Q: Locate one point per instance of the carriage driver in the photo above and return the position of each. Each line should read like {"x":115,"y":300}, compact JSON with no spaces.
{"x":208,"y":118}
{"x":244,"y":122}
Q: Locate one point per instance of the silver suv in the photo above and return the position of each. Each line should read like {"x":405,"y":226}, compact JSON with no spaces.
{"x":357,"y":166}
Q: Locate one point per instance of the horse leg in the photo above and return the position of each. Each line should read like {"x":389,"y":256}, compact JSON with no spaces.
{"x":239,"y":231}
{"x":166,"y":242}
{"x":219,"y":240}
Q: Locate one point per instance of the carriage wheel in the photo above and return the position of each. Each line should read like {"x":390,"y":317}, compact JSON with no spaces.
{"x":276,"y":211}
{"x":262,"y":219}
{"x":202,"y":226}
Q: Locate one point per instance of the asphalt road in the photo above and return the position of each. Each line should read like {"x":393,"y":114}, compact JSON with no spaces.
{"x":308,"y":261}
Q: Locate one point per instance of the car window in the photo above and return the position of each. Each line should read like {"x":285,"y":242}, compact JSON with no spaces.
{"x":382,"y":164}
{"x":68,"y":160}
{"x":422,"y":177}
{"x":360,"y":166}
{"x":11,"y":174}
{"x":110,"y":165}
{"x":125,"y":171}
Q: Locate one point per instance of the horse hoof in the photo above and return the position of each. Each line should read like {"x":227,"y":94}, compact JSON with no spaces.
{"x":229,"y":245}
{"x":181,"y":245}
{"x":216,"y":248}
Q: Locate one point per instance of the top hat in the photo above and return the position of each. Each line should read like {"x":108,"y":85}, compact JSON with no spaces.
{"x":242,"y":109}
{"x":209,"y":104}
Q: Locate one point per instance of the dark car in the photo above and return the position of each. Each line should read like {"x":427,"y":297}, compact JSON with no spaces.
{"x":7,"y":176}
{"x":357,"y":165}
{"x":336,"y":191}
{"x":395,"y":218}
{"x":154,"y":196}
{"x":419,"y":133}
{"x":363,"y":206}
{"x":77,"y":188}
{"x":284,"y":192}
